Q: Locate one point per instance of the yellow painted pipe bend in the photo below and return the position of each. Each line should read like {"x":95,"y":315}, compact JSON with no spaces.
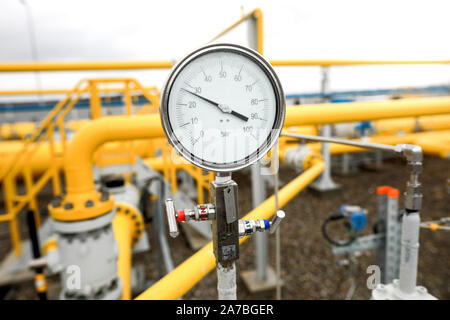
{"x":186,"y":275}
{"x":78,"y":157}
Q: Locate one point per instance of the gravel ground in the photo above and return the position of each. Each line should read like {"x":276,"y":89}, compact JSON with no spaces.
{"x":309,"y":269}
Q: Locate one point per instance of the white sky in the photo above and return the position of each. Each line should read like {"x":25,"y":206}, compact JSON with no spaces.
{"x":86,"y":30}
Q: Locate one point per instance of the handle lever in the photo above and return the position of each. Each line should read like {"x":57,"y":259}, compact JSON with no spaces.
{"x":171,"y":218}
{"x":274,"y":224}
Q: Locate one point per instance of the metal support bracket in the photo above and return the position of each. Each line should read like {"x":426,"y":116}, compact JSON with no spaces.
{"x":225,"y":234}
{"x":360,"y":244}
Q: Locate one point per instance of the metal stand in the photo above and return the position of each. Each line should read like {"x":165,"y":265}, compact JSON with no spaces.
{"x":226,"y":229}
{"x":263,"y":277}
{"x":324,"y":182}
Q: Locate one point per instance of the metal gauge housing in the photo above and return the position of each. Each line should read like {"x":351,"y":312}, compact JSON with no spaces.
{"x":222,"y":107}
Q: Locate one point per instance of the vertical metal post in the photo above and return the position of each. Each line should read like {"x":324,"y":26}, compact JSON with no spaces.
{"x":258,"y":197}
{"x":380,"y":253}
{"x":378,"y":159}
{"x":345,"y":163}
{"x":324,"y":182}
{"x":409,"y":252}
{"x":225,"y":234}
{"x":39,"y":279}
{"x":391,"y":261}
{"x":389,"y":223}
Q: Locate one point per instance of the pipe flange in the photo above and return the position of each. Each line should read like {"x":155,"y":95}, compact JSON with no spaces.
{"x":81,"y":206}
{"x":310,"y":159}
{"x":137,"y":222}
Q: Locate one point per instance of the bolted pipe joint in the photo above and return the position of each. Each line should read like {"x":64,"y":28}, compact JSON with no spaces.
{"x":301,"y":158}
{"x":413,"y":194}
{"x":411,"y":152}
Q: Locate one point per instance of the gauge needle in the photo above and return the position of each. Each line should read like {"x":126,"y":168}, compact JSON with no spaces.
{"x":224,"y":108}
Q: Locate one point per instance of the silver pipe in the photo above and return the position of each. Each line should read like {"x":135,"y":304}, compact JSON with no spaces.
{"x":165,"y":252}
{"x":226,"y":282}
{"x":160,"y":229}
{"x":260,"y":238}
{"x":409,"y":252}
{"x":361,"y":144}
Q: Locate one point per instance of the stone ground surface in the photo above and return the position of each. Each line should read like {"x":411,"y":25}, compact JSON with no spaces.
{"x":309,"y":269}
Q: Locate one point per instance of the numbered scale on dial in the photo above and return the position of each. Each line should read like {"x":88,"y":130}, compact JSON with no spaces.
{"x":222,"y":107}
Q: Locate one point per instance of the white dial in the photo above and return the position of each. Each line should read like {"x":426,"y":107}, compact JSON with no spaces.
{"x":222,"y":107}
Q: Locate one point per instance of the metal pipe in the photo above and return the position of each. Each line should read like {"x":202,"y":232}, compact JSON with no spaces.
{"x":260,"y":238}
{"x":78,"y":157}
{"x":167,"y":64}
{"x":226,"y":282}
{"x":203,"y":261}
{"x":161,"y":228}
{"x":329,"y":113}
{"x":409,"y":252}
{"x":83,"y":66}
{"x":360,"y":144}
{"x":348,"y":62}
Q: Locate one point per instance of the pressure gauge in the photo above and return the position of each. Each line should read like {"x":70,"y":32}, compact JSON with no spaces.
{"x":222,"y":107}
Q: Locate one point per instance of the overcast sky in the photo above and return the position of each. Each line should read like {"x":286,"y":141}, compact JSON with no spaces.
{"x":86,"y":30}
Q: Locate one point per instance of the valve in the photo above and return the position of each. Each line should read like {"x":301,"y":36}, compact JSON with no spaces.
{"x":248,"y":227}
{"x":354,"y":220}
{"x":201,"y":212}
{"x":363,"y":127}
{"x":204,"y":212}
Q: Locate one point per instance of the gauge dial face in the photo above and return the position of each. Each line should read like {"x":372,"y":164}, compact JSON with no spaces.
{"x":223,"y":107}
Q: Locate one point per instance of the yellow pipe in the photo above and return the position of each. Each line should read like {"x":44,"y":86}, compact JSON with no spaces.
{"x":122,"y":225}
{"x":364,"y":111}
{"x":343,"y":62}
{"x":42,"y":159}
{"x":17,"y":130}
{"x":407,"y":125}
{"x":167,"y":64}
{"x":186,"y":275}
{"x":383,"y":127}
{"x":59,"y":91}
{"x":78,"y":162}
{"x":327,"y":113}
{"x":256,"y":14}
{"x":83,"y":66}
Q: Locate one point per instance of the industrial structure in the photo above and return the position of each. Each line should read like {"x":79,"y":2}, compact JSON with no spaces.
{"x":113,"y":173}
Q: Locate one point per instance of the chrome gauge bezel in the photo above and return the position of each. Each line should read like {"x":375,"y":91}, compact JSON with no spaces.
{"x":279,"y":117}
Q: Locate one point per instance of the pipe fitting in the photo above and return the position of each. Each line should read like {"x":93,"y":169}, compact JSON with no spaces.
{"x":81,"y":206}
{"x":413,"y":193}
